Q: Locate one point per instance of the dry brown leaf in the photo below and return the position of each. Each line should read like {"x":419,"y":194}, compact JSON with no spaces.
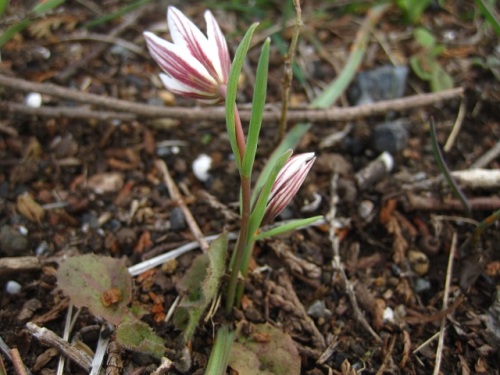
{"x":43,"y":27}
{"x":29,"y":208}
{"x":102,"y":183}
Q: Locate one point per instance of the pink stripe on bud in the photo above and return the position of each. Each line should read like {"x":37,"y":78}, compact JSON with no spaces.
{"x":287,"y":184}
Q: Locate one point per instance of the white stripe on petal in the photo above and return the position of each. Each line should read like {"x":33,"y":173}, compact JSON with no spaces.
{"x":218,"y":44}
{"x":180,"y":65}
{"x":185,"y":34}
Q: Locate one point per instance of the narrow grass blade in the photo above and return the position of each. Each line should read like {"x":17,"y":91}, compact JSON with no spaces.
{"x":3,"y":6}
{"x":258,"y":103}
{"x":438,"y":156}
{"x":292,"y":225}
{"x":489,"y":13}
{"x":333,"y":92}
{"x":45,"y":6}
{"x":119,"y":13}
{"x":13,"y":30}
{"x":232,"y":88}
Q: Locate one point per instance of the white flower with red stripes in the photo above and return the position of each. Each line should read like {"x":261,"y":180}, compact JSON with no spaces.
{"x":287,"y":184}
{"x":195,"y":65}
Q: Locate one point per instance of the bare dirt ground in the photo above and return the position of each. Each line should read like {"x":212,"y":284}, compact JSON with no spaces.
{"x":79,"y":178}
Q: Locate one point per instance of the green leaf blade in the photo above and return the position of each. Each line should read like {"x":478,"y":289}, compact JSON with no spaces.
{"x":290,"y":226}
{"x":258,"y":103}
{"x":232,"y":89}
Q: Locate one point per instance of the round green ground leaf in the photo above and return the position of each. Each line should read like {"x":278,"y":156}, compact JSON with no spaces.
{"x":85,"y":278}
{"x":274,"y":353}
{"x":138,"y":336}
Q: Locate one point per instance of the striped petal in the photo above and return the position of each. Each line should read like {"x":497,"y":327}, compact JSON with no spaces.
{"x":180,"y":65}
{"x":177,"y":87}
{"x":287,"y":184}
{"x":186,"y":35}
{"x":218,"y":44}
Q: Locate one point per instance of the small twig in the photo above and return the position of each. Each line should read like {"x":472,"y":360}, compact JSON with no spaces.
{"x":17,"y":362}
{"x":337,"y":263}
{"x":67,"y":331}
{"x":439,"y":349}
{"x":102,"y":347}
{"x":4,"y":348}
{"x":388,"y":356}
{"x":288,"y":72}
{"x":456,"y":126}
{"x":443,"y":167}
{"x":68,"y":112}
{"x":104,"y":39}
{"x":487,"y":157}
{"x":176,"y":196}
{"x":217,"y":114}
{"x":417,"y":202}
{"x":19,"y":265}
{"x":49,"y":338}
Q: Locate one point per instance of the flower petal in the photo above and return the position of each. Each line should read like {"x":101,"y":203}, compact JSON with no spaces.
{"x":218,"y":44}
{"x":180,"y":65}
{"x":287,"y":184}
{"x":179,"y":88}
{"x":185,"y":34}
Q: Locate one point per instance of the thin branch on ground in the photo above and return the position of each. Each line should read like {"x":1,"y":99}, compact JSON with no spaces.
{"x":176,"y":196}
{"x":449,"y":269}
{"x":337,"y":263}
{"x":288,"y":72}
{"x":487,"y":157}
{"x":49,"y":338}
{"x":139,"y":110}
{"x":104,"y":39}
{"x":415,"y":202}
{"x":387,"y":357}
{"x":456,"y":126}
{"x":17,"y":362}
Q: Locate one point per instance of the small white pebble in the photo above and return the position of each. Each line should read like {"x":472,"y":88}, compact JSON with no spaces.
{"x":175,"y":150}
{"x":23,"y":230}
{"x":33,"y":100}
{"x":388,"y":315}
{"x":13,"y":287}
{"x":201,"y":166}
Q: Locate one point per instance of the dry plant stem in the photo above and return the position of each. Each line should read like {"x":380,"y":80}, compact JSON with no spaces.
{"x":17,"y":362}
{"x":487,"y":157}
{"x":416,"y":202}
{"x":449,"y":269}
{"x":2,"y":366}
{"x":18,"y":265}
{"x":104,"y":39}
{"x":68,"y":112}
{"x":288,"y":71}
{"x":67,"y":330}
{"x":138,"y":110}
{"x":456,"y":126}
{"x":337,"y":263}
{"x":388,"y":356}
{"x":176,"y":196}
{"x":49,"y":338}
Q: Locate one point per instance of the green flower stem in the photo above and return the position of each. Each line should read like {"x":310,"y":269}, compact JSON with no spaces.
{"x":241,"y":244}
{"x":240,"y":136}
